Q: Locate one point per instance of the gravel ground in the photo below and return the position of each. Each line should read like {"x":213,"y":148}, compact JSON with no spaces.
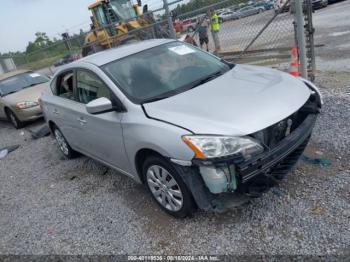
{"x":50,"y":205}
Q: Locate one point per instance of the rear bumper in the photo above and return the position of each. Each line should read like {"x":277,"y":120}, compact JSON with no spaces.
{"x":317,"y":4}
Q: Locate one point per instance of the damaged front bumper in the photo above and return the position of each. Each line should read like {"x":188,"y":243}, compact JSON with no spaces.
{"x":229,"y":181}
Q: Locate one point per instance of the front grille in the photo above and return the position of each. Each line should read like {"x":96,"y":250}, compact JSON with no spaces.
{"x":281,"y":157}
{"x":281,"y":169}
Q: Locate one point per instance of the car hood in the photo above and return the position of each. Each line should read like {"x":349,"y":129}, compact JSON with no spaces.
{"x":242,"y":101}
{"x":28,"y":94}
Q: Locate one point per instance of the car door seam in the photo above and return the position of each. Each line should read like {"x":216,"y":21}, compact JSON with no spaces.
{"x":160,"y":120}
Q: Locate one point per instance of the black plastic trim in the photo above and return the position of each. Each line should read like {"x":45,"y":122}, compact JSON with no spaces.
{"x":265,"y":161}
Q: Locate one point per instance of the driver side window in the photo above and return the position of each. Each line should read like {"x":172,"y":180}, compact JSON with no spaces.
{"x":64,"y":85}
{"x":90,"y":87}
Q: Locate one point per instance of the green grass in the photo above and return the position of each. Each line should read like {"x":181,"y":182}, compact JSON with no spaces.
{"x":41,"y":63}
{"x":45,"y":62}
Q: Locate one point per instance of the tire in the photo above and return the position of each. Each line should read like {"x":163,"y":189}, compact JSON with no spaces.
{"x":167,"y":187}
{"x":14,"y":119}
{"x":63,"y":145}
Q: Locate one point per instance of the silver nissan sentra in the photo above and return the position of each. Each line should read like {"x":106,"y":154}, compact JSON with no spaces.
{"x":196,"y":130}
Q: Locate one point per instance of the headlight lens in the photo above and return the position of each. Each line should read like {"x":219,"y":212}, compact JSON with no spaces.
{"x":219,"y":146}
{"x":26,"y":104}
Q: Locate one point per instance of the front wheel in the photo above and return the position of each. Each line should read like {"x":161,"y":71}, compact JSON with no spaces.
{"x":167,"y":187}
{"x":14,"y":119}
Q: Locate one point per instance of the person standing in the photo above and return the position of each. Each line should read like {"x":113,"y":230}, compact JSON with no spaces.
{"x":215,"y":28}
{"x":202,"y":29}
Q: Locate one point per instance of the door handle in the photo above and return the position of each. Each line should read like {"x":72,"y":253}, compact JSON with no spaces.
{"x":81,"y":120}
{"x":55,"y":111}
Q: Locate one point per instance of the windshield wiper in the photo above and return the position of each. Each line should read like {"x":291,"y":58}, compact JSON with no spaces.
{"x":190,"y":86}
{"x":154,"y":99}
{"x":12,"y":92}
{"x":205,"y":79}
{"x":34,"y":84}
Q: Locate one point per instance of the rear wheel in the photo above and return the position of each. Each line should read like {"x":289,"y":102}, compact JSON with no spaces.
{"x":14,"y":119}
{"x":167,"y":187}
{"x":63,"y":144}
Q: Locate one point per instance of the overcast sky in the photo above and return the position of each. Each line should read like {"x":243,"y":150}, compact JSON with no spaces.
{"x":21,"y":19}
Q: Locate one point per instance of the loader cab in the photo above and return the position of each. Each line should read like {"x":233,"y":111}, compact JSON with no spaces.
{"x":108,"y":12}
{"x":124,"y":9}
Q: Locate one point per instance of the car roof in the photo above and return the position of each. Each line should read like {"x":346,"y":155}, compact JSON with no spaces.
{"x":105,"y":57}
{"x":13,"y":73}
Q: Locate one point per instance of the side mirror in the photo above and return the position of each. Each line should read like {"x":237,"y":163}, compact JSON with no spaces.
{"x":100,"y":105}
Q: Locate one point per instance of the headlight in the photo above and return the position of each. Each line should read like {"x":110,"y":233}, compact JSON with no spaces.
{"x":219,"y":146}
{"x":26,"y":104}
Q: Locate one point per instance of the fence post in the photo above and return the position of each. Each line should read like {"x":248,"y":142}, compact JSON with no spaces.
{"x":310,"y":45}
{"x":170,"y":20}
{"x":300,"y":34}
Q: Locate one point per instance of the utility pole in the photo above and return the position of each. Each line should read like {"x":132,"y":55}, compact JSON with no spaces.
{"x":170,"y":20}
{"x":299,"y":19}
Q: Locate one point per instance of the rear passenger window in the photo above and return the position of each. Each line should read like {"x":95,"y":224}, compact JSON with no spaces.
{"x":64,"y":86}
{"x":90,"y":87}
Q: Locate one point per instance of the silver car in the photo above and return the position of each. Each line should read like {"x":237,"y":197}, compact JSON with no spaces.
{"x":249,"y":10}
{"x":229,"y":15}
{"x":196,"y":130}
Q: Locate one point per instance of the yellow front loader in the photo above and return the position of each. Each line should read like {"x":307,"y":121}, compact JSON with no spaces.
{"x":112,"y":20}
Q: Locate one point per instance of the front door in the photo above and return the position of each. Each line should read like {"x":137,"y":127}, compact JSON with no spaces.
{"x":101,"y":134}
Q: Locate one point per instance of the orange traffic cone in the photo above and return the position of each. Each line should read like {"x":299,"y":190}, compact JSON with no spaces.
{"x":294,"y":63}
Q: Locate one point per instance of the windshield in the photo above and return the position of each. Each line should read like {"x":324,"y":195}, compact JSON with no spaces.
{"x":163,"y":71}
{"x":123,"y":9}
{"x":21,"y":81}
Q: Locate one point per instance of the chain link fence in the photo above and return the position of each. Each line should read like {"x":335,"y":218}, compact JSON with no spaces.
{"x":250,"y":32}
{"x":253,"y":33}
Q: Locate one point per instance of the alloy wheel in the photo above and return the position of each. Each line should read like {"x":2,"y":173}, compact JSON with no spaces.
{"x":164,"y":188}
{"x":61,"y":142}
